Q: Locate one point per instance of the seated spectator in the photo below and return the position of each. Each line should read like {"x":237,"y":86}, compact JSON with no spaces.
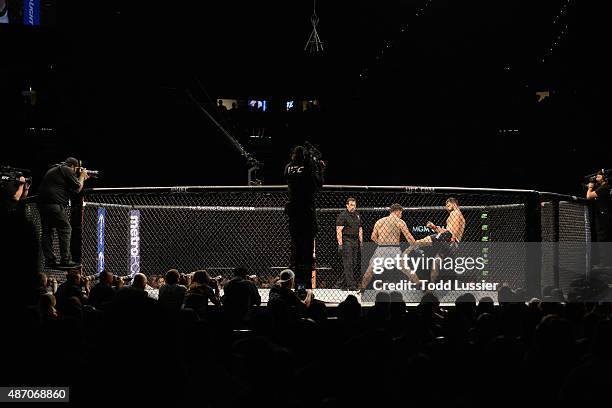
{"x":397,"y":308}
{"x":349,"y":310}
{"x":283,"y":296}
{"x":42,"y":281}
{"x":46,"y":307}
{"x":466,"y":304}
{"x":184,"y":280}
{"x":133,"y":293}
{"x":74,"y":286}
{"x":103,"y":292}
{"x":138,"y":285}
{"x":429,"y":308}
{"x":139,"y":282}
{"x":172,"y":294}
{"x":201,"y":290}
{"x":71,"y":307}
{"x":382,"y":305}
{"x":43,"y":286}
{"x":239,"y":295}
{"x":317,"y":311}
{"x":485,"y":305}
{"x":484,"y":330}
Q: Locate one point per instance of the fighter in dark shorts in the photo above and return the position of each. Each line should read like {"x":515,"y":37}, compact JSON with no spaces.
{"x":445,"y":241}
{"x":443,"y":244}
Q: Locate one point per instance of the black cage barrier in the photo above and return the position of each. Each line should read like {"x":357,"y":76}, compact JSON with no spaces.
{"x":151,"y":230}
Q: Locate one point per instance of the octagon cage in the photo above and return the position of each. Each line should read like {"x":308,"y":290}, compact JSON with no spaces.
{"x":154,"y":229}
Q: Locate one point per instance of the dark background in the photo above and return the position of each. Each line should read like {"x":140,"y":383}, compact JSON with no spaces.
{"x":434,"y":108}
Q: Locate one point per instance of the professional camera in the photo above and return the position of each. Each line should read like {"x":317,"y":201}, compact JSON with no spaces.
{"x":124,"y":279}
{"x":315,"y":157}
{"x":313,"y":152}
{"x":79,"y":169}
{"x":90,"y":173}
{"x":592,"y":178}
{"x":10,"y":174}
{"x":302,"y":292}
{"x":87,"y":279}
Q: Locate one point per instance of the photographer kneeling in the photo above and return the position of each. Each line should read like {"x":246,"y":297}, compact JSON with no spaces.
{"x":599,"y":191}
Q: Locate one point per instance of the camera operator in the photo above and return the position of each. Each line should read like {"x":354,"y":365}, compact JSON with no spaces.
{"x":304,"y":176}
{"x":57,"y":186}
{"x":599,"y":191}
{"x":103,"y":292}
{"x":19,"y":246}
{"x":12,"y":193}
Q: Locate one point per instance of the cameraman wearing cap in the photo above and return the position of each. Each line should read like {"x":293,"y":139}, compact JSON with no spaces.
{"x":600,"y":193}
{"x":282,"y":295}
{"x":304,"y":176}
{"x":12,"y":193}
{"x":57,"y":186}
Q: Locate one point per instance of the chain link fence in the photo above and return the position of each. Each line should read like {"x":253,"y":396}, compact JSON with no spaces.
{"x":152,"y":230}
{"x":217,"y":229}
{"x":31,"y":212}
{"x":574,"y":257}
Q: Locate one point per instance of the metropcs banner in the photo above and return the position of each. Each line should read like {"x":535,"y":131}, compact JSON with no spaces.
{"x":134,"y":239}
{"x":101,"y":225}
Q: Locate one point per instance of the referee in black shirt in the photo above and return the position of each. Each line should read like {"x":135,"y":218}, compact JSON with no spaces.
{"x":349,"y":234}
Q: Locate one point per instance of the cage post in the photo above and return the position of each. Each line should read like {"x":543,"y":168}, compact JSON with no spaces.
{"x":555,"y":255}
{"x":533,"y":214}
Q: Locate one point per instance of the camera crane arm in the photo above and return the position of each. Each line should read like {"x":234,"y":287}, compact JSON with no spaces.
{"x":252,"y":162}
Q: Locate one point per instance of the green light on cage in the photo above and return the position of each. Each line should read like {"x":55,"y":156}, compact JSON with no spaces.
{"x":485,"y":227}
{"x":484,"y":239}
{"x":484,"y":216}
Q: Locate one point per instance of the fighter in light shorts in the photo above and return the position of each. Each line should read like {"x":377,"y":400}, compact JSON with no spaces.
{"x":387,"y":232}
